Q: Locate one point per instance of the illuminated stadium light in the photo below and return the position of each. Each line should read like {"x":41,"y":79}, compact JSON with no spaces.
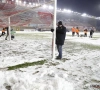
{"x":77,"y":13}
{"x":97,"y":17}
{"x":84,"y":15}
{"x":51,"y":7}
{"x":44,"y":6}
{"x":20,"y":2}
{"x":67,"y":11}
{"x":24,"y":2}
{"x":36,"y":4}
{"x":33,"y":4}
{"x":64,"y":10}
{"x":16,"y":1}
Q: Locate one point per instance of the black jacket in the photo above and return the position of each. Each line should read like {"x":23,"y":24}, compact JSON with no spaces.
{"x":91,"y":32}
{"x":7,"y":30}
{"x":60,"y":35}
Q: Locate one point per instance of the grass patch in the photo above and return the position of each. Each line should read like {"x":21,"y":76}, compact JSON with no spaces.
{"x":24,"y":65}
{"x":91,"y":47}
{"x":69,"y":35}
{"x":95,"y":38}
{"x":73,"y":47}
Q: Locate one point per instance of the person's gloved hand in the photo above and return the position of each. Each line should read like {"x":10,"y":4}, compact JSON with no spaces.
{"x":52,"y":30}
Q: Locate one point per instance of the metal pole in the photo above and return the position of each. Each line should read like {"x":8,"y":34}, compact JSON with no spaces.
{"x":9,"y":29}
{"x":54,"y":33}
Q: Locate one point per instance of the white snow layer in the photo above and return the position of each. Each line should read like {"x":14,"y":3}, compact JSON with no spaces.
{"x":79,"y":72}
{"x":24,"y":81}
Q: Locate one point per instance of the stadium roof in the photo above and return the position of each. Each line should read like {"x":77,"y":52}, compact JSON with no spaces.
{"x":23,"y":12}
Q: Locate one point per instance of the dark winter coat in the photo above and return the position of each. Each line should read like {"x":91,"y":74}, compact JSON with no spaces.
{"x":7,"y":30}
{"x":91,"y":32}
{"x":60,"y":35}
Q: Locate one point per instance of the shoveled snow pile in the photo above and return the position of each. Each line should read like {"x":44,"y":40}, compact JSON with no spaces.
{"x":47,"y":80}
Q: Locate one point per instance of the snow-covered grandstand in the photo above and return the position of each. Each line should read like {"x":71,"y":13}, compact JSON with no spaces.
{"x":33,"y":14}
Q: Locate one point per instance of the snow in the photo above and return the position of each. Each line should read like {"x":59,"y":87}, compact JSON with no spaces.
{"x":78,"y":70}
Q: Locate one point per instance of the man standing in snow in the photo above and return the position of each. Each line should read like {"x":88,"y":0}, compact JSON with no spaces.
{"x":77,"y":31}
{"x":7,"y":32}
{"x":91,"y":32}
{"x":73,"y":31}
{"x":60,"y":38}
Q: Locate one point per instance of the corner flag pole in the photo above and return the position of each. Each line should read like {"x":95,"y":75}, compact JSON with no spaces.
{"x":54,"y":25}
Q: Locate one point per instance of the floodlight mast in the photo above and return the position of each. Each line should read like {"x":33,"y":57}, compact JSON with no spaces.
{"x":54,"y":25}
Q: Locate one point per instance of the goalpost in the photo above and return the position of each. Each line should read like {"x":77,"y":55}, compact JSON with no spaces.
{"x":54,"y":25}
{"x":32,"y":8}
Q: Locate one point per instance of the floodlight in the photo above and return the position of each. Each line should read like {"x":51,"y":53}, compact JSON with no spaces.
{"x":67,"y":11}
{"x":51,"y":7}
{"x":16,"y":1}
{"x":84,"y":15}
{"x":20,"y":2}
{"x":44,"y":6}
{"x":36,"y":4}
{"x":33,"y":3}
{"x":64,"y":10}
{"x":24,"y":2}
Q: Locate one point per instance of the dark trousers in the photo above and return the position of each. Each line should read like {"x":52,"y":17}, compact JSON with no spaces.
{"x":85,"y":34}
{"x":77,"y":34}
{"x":73,"y":33}
{"x":6,"y":36}
{"x":91,"y":34}
{"x":59,"y":48}
{"x":3,"y":33}
{"x":12,"y":37}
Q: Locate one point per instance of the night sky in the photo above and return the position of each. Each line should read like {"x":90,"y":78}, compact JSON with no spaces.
{"x":91,"y":7}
